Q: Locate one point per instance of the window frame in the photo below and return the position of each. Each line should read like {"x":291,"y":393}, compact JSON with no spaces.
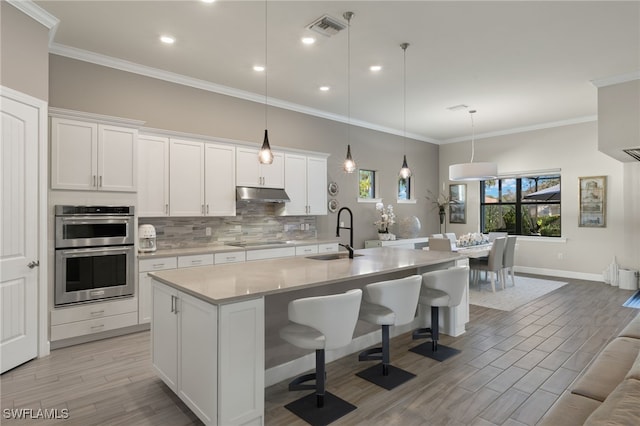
{"x":519,"y":203}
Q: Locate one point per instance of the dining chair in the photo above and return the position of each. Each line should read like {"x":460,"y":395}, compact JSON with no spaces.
{"x":493,"y":263}
{"x":436,"y":236}
{"x":452,"y":237}
{"x":508,"y":259}
{"x":439,"y":244}
{"x":494,"y":235}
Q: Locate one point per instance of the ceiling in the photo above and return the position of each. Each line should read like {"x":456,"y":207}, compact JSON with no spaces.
{"x":521,"y":65}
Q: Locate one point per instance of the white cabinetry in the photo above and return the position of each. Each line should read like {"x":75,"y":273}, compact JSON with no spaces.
{"x":306,"y":185}
{"x":153,"y":176}
{"x":186,"y":184}
{"x":144,"y":283}
{"x":211,"y":356}
{"x":202,"y":179}
{"x":80,"y":320}
{"x":92,"y":156}
{"x":249,"y":172}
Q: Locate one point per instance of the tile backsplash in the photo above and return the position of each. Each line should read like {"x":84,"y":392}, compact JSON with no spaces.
{"x":253,"y":222}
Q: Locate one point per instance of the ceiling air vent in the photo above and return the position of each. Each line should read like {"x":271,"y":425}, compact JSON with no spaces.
{"x":634,"y":152}
{"x":327,"y":26}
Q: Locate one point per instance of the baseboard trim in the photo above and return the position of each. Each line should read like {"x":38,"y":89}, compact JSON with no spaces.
{"x":559,"y":273}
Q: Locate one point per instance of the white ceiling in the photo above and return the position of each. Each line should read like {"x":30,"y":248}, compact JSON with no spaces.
{"x":520,"y":64}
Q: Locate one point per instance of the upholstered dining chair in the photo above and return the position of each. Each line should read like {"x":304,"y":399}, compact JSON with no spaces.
{"x":439,"y":244}
{"x":492,"y":263}
{"x":321,"y":323}
{"x":508,"y":259}
{"x":452,"y":237}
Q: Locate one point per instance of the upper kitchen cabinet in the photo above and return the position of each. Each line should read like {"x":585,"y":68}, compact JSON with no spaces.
{"x":202,"y":179}
{"x":153,"y":176}
{"x":249,"y":172}
{"x":306,"y":185}
{"x":92,"y":156}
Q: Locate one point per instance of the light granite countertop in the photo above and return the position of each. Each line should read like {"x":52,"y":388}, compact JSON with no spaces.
{"x":228,"y":283}
{"x":223,"y":248}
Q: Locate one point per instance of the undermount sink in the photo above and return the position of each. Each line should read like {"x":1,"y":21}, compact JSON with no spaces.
{"x":332,"y":256}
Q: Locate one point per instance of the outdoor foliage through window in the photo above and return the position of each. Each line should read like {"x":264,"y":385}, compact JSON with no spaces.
{"x":521,"y":206}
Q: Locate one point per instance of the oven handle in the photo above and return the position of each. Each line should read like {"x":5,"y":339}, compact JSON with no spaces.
{"x":81,"y":220}
{"x":88,"y":251}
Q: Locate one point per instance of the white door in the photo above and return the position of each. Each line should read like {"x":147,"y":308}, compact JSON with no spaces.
{"x":74,"y":153}
{"x":247,"y":167}
{"x":19,"y":227}
{"x":273,"y":174}
{"x":220,"y":184}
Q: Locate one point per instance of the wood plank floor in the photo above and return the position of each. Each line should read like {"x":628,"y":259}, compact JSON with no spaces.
{"x":513,"y":366}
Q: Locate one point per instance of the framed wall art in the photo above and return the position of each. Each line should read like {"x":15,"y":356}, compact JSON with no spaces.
{"x":458,"y":203}
{"x":593,"y":202}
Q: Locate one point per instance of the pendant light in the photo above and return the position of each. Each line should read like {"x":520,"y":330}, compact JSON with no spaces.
{"x":473,"y":171}
{"x":265,"y":156}
{"x":405,"y":171}
{"x":349,"y":165}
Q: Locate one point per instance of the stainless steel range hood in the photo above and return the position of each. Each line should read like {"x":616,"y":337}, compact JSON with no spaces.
{"x":261,"y":195}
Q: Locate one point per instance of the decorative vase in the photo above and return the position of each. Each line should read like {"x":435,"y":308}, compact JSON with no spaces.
{"x":409,"y":227}
{"x":442,"y":214}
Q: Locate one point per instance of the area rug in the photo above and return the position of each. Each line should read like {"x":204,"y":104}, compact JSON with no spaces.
{"x":525,"y":290}
{"x":633,"y":301}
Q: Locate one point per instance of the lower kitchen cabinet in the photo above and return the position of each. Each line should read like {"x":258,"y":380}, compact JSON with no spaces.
{"x":80,"y":320}
{"x":211,"y":356}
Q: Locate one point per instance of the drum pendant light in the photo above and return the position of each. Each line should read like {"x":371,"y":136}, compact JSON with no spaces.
{"x":473,"y":171}
{"x":265,"y":156}
{"x":349,"y":165}
{"x":405,"y":171}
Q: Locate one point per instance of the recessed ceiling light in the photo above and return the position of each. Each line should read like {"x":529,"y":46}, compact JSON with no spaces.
{"x":324,"y":88}
{"x":167,"y":39}
{"x":308,"y":40}
{"x":375,"y":68}
{"x":259,"y":68}
{"x":208,"y":1}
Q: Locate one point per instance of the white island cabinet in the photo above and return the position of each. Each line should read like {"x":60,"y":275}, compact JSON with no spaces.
{"x":209,"y":323}
{"x":211,"y":356}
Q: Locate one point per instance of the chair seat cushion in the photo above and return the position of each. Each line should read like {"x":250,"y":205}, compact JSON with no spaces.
{"x":302,"y":336}
{"x":433,"y":297}
{"x":376,"y":314}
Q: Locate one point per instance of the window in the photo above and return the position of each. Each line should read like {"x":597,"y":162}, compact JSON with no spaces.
{"x":521,"y":206}
{"x":404,"y":189}
{"x":367,"y":184}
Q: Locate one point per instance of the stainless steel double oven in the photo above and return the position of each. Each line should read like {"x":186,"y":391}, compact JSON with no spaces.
{"x":94,"y":253}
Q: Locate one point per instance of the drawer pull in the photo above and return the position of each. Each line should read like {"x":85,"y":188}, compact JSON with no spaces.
{"x":231,"y":258}
{"x":95,"y":327}
{"x":100,"y":312}
{"x":158,"y":265}
{"x":194,"y":262}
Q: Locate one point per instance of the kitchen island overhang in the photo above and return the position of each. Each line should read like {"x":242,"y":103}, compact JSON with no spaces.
{"x":242,"y":306}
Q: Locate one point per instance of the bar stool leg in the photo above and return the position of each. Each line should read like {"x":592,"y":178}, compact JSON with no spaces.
{"x":385,"y":350}
{"x":435,"y":327}
{"x":320,"y":378}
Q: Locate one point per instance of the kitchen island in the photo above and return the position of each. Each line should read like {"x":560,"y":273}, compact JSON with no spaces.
{"x":209,"y":324}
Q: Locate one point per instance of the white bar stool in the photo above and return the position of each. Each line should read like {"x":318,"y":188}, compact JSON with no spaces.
{"x":321,"y":323}
{"x":439,"y":288}
{"x":388,"y":303}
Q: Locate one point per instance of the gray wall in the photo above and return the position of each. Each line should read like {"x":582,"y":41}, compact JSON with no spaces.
{"x":574,"y":150}
{"x":24,"y":44}
{"x":92,"y":88}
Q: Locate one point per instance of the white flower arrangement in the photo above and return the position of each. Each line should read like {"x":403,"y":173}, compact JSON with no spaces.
{"x":387,"y":217}
{"x":472,"y":239}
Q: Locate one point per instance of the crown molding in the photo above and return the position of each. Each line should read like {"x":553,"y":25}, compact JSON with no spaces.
{"x":616,"y":79}
{"x":37,"y":13}
{"x":122,"y":65}
{"x":541,"y":126}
